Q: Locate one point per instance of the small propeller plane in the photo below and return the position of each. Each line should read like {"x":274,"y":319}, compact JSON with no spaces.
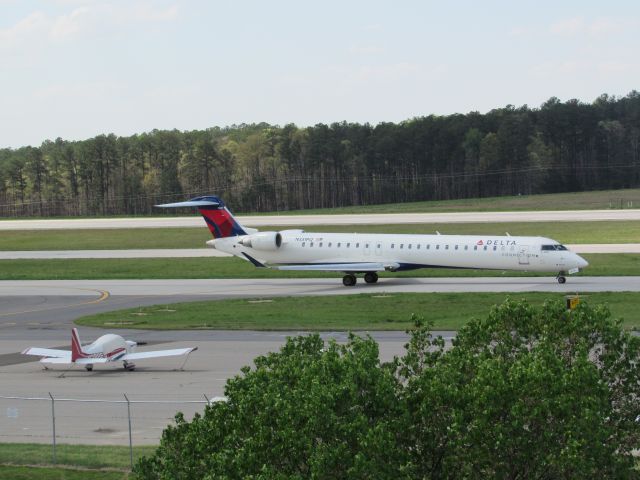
{"x":108,"y":348}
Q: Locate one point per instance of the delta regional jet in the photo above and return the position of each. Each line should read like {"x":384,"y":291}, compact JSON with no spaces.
{"x":368,"y":254}
{"x":108,"y":348}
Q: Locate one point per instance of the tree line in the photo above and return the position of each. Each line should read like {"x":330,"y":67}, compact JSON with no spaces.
{"x":526,"y":392}
{"x":558,"y":147}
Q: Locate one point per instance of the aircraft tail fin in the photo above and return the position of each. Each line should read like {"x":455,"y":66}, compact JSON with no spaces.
{"x":219,"y":219}
{"x":76,"y":346}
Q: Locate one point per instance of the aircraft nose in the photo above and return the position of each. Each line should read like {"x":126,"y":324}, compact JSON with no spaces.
{"x":582,"y":263}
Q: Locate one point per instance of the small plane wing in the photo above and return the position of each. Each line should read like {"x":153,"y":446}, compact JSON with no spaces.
{"x":157,"y":353}
{"x":67,"y":361}
{"x":341,"y":267}
{"x":48,"y":352}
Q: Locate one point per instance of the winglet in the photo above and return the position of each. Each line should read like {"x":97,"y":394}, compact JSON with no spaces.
{"x":76,"y":346}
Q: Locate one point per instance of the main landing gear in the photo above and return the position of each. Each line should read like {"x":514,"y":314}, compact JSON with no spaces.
{"x":129,"y":367}
{"x":371,"y":277}
{"x":349,"y":280}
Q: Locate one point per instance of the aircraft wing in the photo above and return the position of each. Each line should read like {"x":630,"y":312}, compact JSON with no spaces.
{"x":48,"y":352}
{"x":342,"y":267}
{"x":157,"y":353}
{"x":67,"y":361}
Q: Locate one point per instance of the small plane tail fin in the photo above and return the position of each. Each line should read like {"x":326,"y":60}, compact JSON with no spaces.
{"x":219,"y":219}
{"x":76,"y":346}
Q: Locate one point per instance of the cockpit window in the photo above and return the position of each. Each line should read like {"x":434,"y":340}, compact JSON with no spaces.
{"x":553,"y":247}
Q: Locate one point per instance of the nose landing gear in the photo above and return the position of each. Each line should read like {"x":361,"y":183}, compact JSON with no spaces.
{"x":561,"y":278}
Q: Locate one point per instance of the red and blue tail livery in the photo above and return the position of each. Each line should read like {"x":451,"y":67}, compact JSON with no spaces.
{"x":218,"y":217}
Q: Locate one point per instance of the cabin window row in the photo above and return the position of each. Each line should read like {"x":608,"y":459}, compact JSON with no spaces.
{"x":401,"y":246}
{"x":339,"y":244}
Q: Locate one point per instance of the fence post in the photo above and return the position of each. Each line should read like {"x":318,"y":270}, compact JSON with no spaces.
{"x":130,"y":440}
{"x":53,"y":420}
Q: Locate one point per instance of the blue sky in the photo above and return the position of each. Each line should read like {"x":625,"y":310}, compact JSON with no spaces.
{"x":78,"y":68}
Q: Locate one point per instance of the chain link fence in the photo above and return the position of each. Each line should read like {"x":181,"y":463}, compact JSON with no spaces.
{"x":118,"y":421}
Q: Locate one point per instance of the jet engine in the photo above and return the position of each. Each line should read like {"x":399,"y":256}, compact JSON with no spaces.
{"x":268,"y":241}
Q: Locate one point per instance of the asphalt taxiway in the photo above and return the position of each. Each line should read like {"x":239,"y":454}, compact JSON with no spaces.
{"x":41,"y":313}
{"x":51,"y":306}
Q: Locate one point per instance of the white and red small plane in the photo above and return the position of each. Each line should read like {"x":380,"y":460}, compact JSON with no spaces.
{"x":108,"y":348}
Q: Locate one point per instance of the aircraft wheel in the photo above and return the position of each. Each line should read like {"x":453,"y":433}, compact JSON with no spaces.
{"x":349,"y":280}
{"x":89,"y":368}
{"x":371,"y":277}
{"x":561,"y":279}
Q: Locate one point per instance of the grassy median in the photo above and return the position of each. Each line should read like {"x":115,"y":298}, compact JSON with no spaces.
{"x":601,"y":264}
{"x":342,"y":312}
{"x":122,"y":239}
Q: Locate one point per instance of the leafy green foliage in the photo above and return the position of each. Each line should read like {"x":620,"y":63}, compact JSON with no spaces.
{"x":308,"y":411}
{"x":570,"y":146}
{"x":527,"y":392}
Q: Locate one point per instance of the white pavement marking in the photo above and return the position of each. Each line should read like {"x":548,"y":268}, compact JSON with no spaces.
{"x":245,"y":288}
{"x":209,"y":252}
{"x":306,"y":220}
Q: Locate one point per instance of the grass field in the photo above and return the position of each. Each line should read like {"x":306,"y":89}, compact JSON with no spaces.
{"x":115,"y":239}
{"x":85,"y":456}
{"x":57,"y":473}
{"x":600,"y":264}
{"x":26,"y":461}
{"x":348,"y":312}
{"x":596,"y":200}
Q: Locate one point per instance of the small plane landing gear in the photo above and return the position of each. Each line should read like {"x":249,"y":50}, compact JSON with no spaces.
{"x":371,"y":277}
{"x":349,"y":280}
{"x":561,"y":278}
{"x":129,"y":367}
{"x":89,"y":367}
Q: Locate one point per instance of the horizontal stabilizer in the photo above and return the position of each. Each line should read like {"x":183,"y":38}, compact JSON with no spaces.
{"x":157,"y":354}
{"x":91,"y":361}
{"x":339,"y":267}
{"x":80,"y":361}
{"x":57,"y":361}
{"x":47,"y":352}
{"x":190,"y":203}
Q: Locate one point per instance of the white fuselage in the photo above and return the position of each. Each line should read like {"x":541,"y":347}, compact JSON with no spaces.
{"x":109,"y":346}
{"x":406,"y":252}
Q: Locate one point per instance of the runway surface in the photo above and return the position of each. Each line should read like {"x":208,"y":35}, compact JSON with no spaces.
{"x":210,"y":252}
{"x":306,"y":220}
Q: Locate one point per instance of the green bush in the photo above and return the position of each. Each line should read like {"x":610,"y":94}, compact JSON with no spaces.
{"x":524,"y":393}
